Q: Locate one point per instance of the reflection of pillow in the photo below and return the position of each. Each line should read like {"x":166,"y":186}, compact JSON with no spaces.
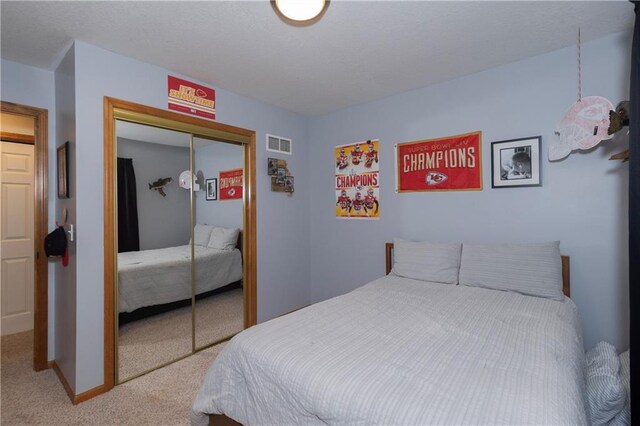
{"x":624,"y":416}
{"x":223,"y":238}
{"x":202,"y":233}
{"x":534,"y":269}
{"x":606,"y":395}
{"x":426,"y":261}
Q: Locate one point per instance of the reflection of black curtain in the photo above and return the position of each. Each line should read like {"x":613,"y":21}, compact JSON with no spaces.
{"x":634,"y":216}
{"x":128,"y":236}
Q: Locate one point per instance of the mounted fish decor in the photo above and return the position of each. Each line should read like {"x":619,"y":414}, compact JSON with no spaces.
{"x":160,"y":184}
{"x":618,"y":120}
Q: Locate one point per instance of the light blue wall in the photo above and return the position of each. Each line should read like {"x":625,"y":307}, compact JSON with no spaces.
{"x":582,"y":202}
{"x":283,"y":236}
{"x":211,"y":158}
{"x":66,"y":296}
{"x":35,"y":87}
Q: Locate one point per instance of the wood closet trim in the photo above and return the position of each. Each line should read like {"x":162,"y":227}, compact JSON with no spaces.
{"x":109,"y":246}
{"x":250,"y":251}
{"x":81,"y":397}
{"x":41,"y":219}
{"x":116,"y":107}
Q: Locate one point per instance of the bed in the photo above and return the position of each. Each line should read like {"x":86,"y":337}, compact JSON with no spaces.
{"x":405,"y":351}
{"x":161,"y":276}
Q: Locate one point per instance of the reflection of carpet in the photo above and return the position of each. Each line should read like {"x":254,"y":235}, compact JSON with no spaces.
{"x":163,"y":397}
{"x":150,"y":342}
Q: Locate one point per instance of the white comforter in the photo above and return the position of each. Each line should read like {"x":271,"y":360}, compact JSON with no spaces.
{"x":152,"y":277}
{"x":400,"y":351}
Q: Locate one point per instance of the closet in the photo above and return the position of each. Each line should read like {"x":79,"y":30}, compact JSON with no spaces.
{"x":179,"y":236}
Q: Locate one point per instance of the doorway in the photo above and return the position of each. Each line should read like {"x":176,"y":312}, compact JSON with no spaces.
{"x":35,"y":272}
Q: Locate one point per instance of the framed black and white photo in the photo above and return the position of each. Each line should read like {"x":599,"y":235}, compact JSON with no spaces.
{"x":288,"y":184}
{"x":516,"y":163}
{"x":272,"y":168}
{"x":282,"y":172}
{"x":63,"y":170}
{"x":211,"y":186}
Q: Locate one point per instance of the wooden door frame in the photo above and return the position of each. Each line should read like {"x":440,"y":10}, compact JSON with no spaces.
{"x":249,"y":251}
{"x":41,"y":223}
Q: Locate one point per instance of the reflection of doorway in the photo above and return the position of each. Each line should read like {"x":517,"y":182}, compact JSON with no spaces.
{"x":23,"y":260}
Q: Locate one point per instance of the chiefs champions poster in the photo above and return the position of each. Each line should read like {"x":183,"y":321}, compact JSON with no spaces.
{"x":357,"y":180}
{"x":452,"y":163}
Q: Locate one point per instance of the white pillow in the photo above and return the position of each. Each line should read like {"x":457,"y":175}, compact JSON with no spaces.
{"x":426,"y":261}
{"x":534,"y":269}
{"x":223,"y":238}
{"x":606,"y":394}
{"x":623,"y":418}
{"x":202,"y":233}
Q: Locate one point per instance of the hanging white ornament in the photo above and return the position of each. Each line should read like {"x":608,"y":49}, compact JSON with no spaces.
{"x":185,"y":179}
{"x":583,"y":126}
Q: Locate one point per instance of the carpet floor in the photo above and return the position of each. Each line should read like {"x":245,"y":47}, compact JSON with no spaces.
{"x":147,"y":343}
{"x":162,"y":397}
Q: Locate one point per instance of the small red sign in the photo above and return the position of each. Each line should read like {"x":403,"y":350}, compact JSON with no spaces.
{"x":230,"y":184}
{"x":453,"y":163}
{"x":191,"y":98}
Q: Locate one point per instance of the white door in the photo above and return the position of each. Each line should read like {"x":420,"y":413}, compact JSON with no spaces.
{"x":16,"y":249}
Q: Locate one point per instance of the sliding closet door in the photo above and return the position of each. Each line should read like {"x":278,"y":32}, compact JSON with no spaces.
{"x":218,"y":222}
{"x":154,"y":283}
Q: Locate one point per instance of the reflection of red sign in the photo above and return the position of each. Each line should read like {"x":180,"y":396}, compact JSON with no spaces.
{"x":230,"y":183}
{"x":191,"y":98}
{"x":446,"y":164}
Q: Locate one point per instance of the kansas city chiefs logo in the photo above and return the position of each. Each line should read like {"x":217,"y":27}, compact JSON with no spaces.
{"x":435,"y":178}
{"x":201,"y":93}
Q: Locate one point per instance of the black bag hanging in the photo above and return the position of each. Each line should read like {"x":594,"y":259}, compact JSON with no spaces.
{"x":55,"y":243}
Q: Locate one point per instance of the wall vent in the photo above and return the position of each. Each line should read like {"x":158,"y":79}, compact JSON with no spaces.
{"x":278,"y":144}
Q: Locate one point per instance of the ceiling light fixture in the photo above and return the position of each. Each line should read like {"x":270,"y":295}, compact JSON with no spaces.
{"x":300,"y":12}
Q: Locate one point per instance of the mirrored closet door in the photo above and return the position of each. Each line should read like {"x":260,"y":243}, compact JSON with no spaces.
{"x":179,"y":217}
{"x":218,"y":215}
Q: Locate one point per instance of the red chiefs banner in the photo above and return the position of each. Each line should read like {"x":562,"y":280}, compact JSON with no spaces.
{"x":453,"y":163}
{"x":230,"y":184}
{"x":191,"y":98}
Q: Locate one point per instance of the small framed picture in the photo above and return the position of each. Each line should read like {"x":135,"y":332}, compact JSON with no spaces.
{"x":211,"y":186}
{"x":272,"y":168}
{"x":288,"y":184}
{"x":516,"y":162}
{"x":281,"y":175}
{"x":63,"y":170}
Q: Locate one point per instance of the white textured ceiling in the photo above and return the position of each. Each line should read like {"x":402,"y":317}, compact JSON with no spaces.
{"x":358,"y":52}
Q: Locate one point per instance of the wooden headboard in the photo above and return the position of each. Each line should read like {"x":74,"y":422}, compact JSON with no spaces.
{"x":566,"y":288}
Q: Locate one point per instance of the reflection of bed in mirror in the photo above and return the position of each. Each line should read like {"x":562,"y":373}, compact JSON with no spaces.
{"x":150,"y":278}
